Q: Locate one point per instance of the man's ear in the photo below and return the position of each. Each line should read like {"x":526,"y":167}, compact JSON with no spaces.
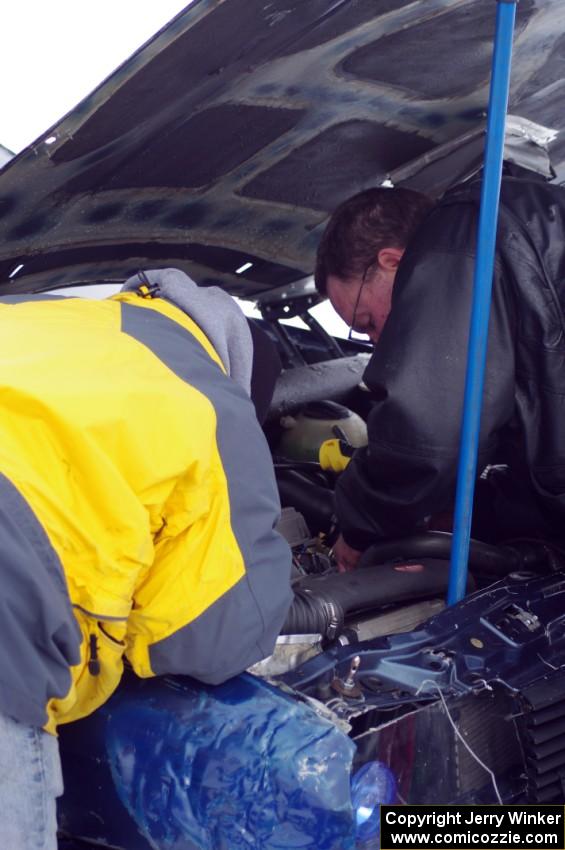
{"x":389,"y":258}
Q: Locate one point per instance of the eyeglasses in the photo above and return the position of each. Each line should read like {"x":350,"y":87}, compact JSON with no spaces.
{"x":353,"y":334}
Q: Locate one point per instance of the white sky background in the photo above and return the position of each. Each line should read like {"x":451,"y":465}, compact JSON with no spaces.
{"x":52,"y":54}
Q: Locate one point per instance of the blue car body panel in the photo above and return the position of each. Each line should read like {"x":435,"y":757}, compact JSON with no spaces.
{"x":181,"y":766}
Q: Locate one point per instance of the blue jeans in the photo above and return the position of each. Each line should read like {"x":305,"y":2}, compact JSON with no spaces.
{"x":30,"y":782}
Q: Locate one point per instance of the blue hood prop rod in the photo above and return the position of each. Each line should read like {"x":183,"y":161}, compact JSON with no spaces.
{"x":482,"y":288}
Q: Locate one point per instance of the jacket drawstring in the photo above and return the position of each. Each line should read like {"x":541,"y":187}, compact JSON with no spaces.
{"x":93,"y":663}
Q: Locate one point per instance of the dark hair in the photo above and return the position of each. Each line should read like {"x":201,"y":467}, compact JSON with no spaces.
{"x":364,"y":224}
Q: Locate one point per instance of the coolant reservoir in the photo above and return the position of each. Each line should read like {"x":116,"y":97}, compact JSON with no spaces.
{"x":304,"y":433}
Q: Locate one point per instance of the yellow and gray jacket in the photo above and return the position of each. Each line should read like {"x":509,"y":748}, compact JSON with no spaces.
{"x":137,"y":506}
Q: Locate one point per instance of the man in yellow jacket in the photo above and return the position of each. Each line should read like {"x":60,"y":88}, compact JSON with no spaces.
{"x":137,"y":514}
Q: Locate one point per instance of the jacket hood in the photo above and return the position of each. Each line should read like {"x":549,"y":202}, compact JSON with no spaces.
{"x":215,"y":313}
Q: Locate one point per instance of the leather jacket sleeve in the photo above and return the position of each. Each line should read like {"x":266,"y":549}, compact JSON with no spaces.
{"x":416,"y":375}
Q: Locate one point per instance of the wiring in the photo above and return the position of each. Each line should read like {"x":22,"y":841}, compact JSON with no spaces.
{"x":460,"y":736}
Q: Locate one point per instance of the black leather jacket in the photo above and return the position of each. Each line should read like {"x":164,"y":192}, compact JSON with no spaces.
{"x":417,"y":370}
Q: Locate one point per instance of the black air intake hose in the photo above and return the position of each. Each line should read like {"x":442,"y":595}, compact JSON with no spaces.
{"x":313,"y":614}
{"x":498,"y":560}
{"x":322,"y":601}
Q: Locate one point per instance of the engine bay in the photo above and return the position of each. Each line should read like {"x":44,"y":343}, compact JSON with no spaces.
{"x":378,"y":648}
{"x":399,"y":582}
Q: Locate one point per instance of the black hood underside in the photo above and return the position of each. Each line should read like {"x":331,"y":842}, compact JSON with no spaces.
{"x":231,"y":134}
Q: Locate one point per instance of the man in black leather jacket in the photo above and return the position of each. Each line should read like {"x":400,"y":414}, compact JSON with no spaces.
{"x":400,"y":268}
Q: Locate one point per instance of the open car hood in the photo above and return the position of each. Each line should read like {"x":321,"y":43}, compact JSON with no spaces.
{"x":231,"y":134}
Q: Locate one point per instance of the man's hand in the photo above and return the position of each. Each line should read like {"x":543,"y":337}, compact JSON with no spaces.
{"x":345,"y":556}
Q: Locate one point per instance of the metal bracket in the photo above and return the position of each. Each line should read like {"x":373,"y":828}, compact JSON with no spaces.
{"x":348,"y":687}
